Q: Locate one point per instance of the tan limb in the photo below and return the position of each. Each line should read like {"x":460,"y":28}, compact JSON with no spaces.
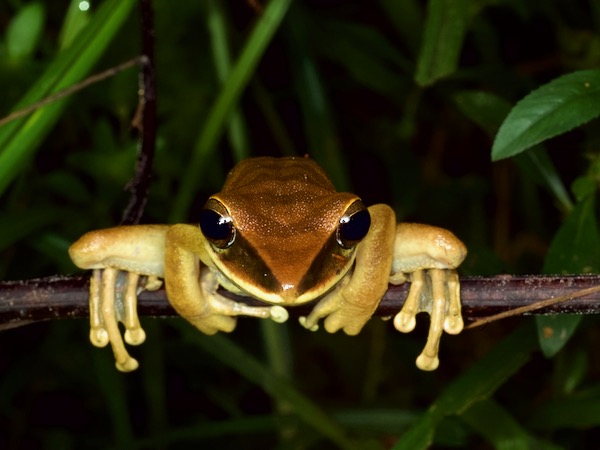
{"x":113,"y":299}
{"x":136,"y":250}
{"x":105,"y":313}
{"x":140,"y":250}
{"x":353,"y":302}
{"x":427,"y":256}
{"x":193,"y":295}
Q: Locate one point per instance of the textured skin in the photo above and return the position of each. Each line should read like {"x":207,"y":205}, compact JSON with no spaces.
{"x":286,"y":215}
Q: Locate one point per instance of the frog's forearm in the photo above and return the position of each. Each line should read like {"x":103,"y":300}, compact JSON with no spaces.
{"x":419,"y":245}
{"x":193,"y":291}
{"x":139,"y":248}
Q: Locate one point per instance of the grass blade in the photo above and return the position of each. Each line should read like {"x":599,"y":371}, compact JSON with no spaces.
{"x":217,"y":26}
{"x":488,"y":111}
{"x":215,"y":123}
{"x":319,"y":124}
{"x":580,"y":410}
{"x":235,"y":357}
{"x":574,"y":249}
{"x":477,"y":384}
{"x":445,"y":28}
{"x":20,"y":139}
{"x":497,"y":426}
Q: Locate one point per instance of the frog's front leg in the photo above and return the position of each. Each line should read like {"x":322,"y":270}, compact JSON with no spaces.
{"x":120,"y":255}
{"x":192,"y":289}
{"x":135,"y":250}
{"x":427,"y":256}
{"x":350,"y":305}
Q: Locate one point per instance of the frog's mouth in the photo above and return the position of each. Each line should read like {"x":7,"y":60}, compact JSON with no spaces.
{"x":283,"y":277}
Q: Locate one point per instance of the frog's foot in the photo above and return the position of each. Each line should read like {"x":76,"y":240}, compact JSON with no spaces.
{"x":113,"y":299}
{"x":339,"y":312}
{"x":436,"y":292}
{"x":218,"y":313}
{"x":151,"y":283}
{"x":221,"y":311}
{"x":310,"y":325}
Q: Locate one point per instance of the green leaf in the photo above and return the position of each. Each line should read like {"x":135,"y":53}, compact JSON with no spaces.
{"x":17,"y":225}
{"x":536,"y":163}
{"x":279,"y":388}
{"x":553,"y":109}
{"x":445,"y":29}
{"x":488,"y":110}
{"x":20,"y":138}
{"x":555,"y":331}
{"x":574,"y":249}
{"x":407,"y":18}
{"x":24,"y":31}
{"x":484,"y":108}
{"x":570,"y":371}
{"x":75,"y":21}
{"x":366,"y":54}
{"x":583,"y":187}
{"x":580,"y":410}
{"x":476,"y":384}
{"x":497,"y":426}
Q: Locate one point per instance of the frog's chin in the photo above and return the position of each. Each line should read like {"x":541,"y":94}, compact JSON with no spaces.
{"x":288,"y":295}
{"x":296,"y":291}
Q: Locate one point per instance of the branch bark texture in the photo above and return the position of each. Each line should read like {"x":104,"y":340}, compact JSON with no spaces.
{"x":28,"y":301}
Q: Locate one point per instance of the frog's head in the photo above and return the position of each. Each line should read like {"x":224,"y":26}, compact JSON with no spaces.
{"x":281,"y":233}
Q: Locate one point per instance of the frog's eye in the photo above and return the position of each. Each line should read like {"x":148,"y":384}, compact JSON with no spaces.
{"x":217,"y":228}
{"x":354,"y":225}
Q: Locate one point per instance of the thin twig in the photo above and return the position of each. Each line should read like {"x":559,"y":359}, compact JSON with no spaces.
{"x":28,"y":301}
{"x":144,"y":121}
{"x":535,"y":306}
{"x":71,"y":89}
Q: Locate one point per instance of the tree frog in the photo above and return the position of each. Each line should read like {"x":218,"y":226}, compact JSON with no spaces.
{"x":279,"y":232}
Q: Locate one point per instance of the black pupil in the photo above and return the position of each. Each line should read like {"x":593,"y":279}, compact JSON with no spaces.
{"x":354,"y":228}
{"x":216,"y":227}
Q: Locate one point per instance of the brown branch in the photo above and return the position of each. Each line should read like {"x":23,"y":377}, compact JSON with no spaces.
{"x":27,"y":301}
{"x":144,"y":121}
